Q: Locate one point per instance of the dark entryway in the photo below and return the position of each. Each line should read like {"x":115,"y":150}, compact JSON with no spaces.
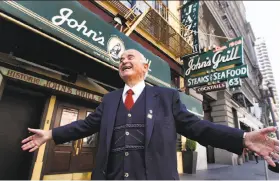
{"x":19,"y":109}
{"x":244,"y":127}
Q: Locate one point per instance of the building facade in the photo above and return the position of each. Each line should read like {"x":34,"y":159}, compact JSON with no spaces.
{"x":266,"y":68}
{"x":58,"y":59}
{"x":237,"y":107}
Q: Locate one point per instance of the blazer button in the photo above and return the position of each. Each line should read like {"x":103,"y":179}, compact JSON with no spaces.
{"x":104,"y":173}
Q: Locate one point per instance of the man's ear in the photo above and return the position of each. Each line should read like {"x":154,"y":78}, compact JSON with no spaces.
{"x":146,"y":66}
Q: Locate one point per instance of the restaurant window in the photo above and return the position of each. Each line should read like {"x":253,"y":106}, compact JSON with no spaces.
{"x":90,"y":141}
{"x":175,"y":80}
{"x":68,"y":115}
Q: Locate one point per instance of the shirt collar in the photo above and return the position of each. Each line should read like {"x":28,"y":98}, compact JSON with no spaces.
{"x":137,"y":89}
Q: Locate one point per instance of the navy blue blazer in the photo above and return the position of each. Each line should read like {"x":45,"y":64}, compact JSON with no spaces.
{"x":169,"y":117}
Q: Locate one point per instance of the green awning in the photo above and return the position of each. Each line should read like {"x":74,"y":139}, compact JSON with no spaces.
{"x":72,"y":23}
{"x":192,"y":104}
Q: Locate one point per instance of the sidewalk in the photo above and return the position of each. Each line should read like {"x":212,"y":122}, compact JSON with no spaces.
{"x":248,"y":171}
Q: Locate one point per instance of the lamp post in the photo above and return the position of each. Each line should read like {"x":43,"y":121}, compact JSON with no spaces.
{"x":263,"y":96}
{"x":267,"y":94}
{"x":270,"y":86}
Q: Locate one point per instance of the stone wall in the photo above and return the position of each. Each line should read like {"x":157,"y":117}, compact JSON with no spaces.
{"x":222,"y":114}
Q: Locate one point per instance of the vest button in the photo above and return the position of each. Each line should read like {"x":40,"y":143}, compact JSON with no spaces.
{"x":126,"y":153}
{"x":126,"y":133}
{"x":126,"y":174}
{"x":129,"y":115}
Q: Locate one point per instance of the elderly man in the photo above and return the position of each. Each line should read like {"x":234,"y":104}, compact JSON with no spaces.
{"x":138,"y":126}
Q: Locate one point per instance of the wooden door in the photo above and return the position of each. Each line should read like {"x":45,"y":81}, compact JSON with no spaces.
{"x":74,"y":156}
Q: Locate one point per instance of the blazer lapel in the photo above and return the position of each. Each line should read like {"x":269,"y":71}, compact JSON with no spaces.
{"x":111,"y":116}
{"x":151,"y":100}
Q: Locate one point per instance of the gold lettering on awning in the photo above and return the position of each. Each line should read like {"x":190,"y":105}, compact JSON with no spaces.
{"x":51,"y":85}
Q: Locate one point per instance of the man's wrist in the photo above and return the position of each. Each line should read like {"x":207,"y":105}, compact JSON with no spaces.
{"x":243,"y":140}
{"x":49,"y":134}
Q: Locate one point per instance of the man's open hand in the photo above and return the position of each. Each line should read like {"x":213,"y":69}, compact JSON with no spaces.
{"x":35,"y":141}
{"x":259,"y":142}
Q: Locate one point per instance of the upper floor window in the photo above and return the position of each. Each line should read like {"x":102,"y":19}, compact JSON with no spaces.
{"x":128,"y":3}
{"x":184,"y":1}
{"x":158,"y":5}
{"x":161,"y":6}
{"x":165,"y":2}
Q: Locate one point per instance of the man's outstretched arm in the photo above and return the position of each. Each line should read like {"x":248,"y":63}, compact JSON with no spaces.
{"x":80,"y":128}
{"x":224,"y":137}
{"x":206,"y":132}
{"x":73,"y":131}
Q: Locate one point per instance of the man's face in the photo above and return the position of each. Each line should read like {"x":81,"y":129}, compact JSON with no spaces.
{"x":131,"y":68}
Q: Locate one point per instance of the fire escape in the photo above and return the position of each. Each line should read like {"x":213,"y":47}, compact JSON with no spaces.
{"x":157,"y":21}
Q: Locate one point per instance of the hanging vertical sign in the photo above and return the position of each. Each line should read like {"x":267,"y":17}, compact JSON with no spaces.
{"x":189,"y":18}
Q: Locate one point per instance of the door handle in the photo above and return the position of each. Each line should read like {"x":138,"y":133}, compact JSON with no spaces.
{"x":75,"y":148}
{"x":81,"y":141}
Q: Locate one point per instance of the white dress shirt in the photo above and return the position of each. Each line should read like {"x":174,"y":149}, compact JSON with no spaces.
{"x":137,"y":89}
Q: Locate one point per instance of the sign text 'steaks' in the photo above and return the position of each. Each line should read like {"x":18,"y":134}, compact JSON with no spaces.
{"x":236,"y":72}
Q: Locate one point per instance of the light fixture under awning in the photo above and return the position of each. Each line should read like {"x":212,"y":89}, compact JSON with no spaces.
{"x":90,"y":84}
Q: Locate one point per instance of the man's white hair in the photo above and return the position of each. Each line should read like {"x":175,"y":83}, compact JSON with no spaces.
{"x":144,"y":61}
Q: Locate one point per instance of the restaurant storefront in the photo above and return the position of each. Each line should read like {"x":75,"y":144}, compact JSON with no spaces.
{"x":57,"y":60}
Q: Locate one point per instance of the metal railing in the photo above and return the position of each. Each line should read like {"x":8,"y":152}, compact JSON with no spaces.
{"x":160,"y":23}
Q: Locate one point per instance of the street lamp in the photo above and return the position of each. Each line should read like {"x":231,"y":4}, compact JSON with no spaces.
{"x":271,"y":95}
{"x":267,"y":94}
{"x":270,"y":86}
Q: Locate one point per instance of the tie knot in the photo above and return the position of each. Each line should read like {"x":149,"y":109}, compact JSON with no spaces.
{"x":130,"y":92}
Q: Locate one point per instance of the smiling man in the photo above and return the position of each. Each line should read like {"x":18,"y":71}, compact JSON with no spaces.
{"x":138,"y":125}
